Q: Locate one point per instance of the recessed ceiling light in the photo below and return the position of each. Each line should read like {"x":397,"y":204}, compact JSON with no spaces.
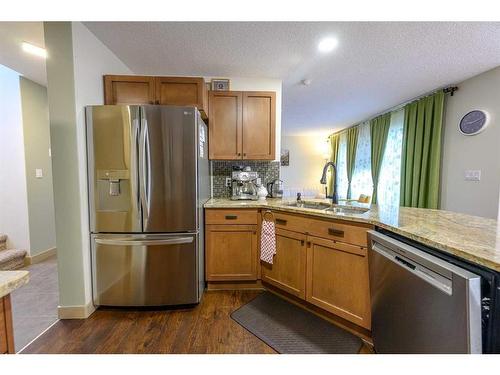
{"x":327,"y":45}
{"x":34,"y":50}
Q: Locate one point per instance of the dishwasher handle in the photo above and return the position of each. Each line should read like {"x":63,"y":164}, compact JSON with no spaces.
{"x":436,"y":280}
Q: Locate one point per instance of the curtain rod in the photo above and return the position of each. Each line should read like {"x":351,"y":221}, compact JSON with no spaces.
{"x":446,"y":89}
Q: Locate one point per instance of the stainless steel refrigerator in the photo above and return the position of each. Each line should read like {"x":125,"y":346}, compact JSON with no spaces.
{"x":148,"y":178}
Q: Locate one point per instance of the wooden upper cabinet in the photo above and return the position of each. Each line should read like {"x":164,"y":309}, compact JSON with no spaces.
{"x":185,"y":91}
{"x":242,"y":125}
{"x":259,"y":125}
{"x":225,"y":130}
{"x":288,"y":271}
{"x":337,"y":279}
{"x":129,"y":90}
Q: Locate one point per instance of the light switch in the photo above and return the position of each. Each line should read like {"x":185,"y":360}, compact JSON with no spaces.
{"x":228,"y":181}
{"x":472,"y":175}
{"x":38,"y":173}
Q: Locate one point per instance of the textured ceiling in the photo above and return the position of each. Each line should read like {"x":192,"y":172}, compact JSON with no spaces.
{"x":12,"y":34}
{"x":377,"y":65}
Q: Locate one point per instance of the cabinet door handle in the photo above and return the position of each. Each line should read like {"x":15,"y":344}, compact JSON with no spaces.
{"x":157,"y":102}
{"x":244,"y":154}
{"x":302,"y":242}
{"x":335,"y":232}
{"x":239,"y":153}
{"x":280,"y":221}
{"x":308,"y":243}
{"x":231,"y":217}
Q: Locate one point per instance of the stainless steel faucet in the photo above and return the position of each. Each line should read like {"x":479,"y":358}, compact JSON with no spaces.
{"x":334,"y":196}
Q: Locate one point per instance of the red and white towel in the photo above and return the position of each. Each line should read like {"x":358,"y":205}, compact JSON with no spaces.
{"x":267,"y":241}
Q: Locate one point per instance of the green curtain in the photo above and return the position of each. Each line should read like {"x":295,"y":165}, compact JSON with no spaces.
{"x":352,"y":142}
{"x":334,"y":148}
{"x":421,"y":154}
{"x":379,"y":130}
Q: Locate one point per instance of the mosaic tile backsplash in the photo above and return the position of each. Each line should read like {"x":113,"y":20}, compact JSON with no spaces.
{"x":268,"y":171}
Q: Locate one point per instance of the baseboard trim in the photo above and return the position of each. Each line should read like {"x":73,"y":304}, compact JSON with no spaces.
{"x":76,"y":312}
{"x":41,"y":256}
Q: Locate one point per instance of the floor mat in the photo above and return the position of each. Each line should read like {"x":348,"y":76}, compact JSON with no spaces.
{"x":288,"y":329}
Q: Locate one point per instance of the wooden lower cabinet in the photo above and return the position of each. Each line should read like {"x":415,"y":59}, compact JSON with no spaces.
{"x":322,"y":262}
{"x":288,"y":271}
{"x":6,"y":330}
{"x":231,"y":252}
{"x":337,"y":279}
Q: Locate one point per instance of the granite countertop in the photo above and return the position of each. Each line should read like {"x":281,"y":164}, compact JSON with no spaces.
{"x":11,"y":280}
{"x":474,"y":238}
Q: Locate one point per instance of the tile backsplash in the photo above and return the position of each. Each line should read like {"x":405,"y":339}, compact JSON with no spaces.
{"x":268,"y":171}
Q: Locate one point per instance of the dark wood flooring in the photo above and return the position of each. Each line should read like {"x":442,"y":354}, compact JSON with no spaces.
{"x":206,"y":328}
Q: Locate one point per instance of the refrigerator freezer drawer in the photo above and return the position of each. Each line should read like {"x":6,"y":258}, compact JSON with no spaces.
{"x":144,"y":270}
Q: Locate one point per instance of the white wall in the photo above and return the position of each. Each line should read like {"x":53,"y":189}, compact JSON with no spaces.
{"x":480,"y":152}
{"x":77,"y":60}
{"x":13,"y":193}
{"x":307,"y":158}
{"x":259,"y":84}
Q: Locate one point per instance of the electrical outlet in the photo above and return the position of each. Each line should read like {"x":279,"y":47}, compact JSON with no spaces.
{"x":228,"y":181}
{"x":38,"y":173}
{"x":472,"y":175}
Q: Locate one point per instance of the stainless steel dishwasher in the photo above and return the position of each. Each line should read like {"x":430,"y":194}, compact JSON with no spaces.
{"x":420,"y":303}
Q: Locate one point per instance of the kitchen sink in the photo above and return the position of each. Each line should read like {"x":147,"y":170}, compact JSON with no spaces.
{"x":329,"y":208}
{"x":313,"y":205}
{"x":347,"y":210}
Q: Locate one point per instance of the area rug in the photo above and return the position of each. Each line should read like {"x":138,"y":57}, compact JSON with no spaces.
{"x":288,"y":329}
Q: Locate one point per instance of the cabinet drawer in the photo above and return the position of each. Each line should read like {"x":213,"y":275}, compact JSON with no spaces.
{"x":339,"y":231}
{"x":231,"y":216}
{"x":352,"y":233}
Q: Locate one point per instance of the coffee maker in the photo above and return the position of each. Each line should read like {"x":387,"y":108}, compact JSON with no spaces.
{"x":243,"y":183}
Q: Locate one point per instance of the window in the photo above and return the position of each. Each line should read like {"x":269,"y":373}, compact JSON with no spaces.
{"x":342,"y":181}
{"x":390,"y":173}
{"x":362,"y":176}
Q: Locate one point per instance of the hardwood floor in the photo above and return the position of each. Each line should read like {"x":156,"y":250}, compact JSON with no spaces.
{"x":207,"y":328}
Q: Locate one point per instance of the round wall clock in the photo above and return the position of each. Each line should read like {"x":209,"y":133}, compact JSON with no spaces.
{"x":473,"y":122}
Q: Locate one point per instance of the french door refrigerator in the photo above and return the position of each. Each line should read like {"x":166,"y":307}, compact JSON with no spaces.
{"x":148,"y":178}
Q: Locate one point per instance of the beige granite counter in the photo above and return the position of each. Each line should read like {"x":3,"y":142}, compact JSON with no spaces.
{"x":469,"y":237}
{"x":11,"y":280}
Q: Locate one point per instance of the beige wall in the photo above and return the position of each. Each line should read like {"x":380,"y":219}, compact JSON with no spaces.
{"x":35,"y":113}
{"x":479,"y":152}
{"x":307,"y":158}
{"x":77,"y":60}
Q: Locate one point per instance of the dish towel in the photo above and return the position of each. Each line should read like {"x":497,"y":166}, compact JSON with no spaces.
{"x":267,"y":241}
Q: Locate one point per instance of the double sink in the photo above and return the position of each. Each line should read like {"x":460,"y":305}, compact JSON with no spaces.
{"x":326,"y":207}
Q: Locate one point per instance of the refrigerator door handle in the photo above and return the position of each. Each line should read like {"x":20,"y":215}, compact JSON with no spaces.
{"x":143,"y":242}
{"x":143,"y":171}
{"x":135,"y":143}
{"x":148,"y":167}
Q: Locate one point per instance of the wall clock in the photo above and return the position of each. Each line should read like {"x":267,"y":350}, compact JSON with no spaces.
{"x":473,"y":122}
